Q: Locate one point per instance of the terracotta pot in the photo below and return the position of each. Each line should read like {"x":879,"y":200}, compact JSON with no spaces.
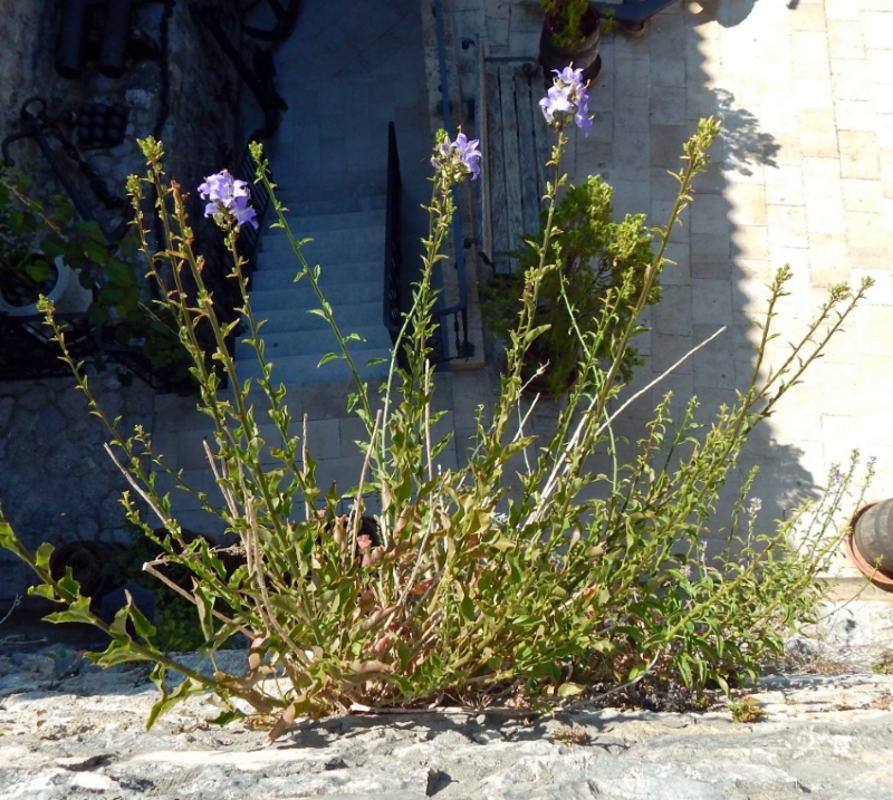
{"x":869,"y":544}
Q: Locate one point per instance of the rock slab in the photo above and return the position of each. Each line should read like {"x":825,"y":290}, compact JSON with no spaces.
{"x":82,"y":735}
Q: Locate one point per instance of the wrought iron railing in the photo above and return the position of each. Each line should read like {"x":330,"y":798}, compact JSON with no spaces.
{"x":395,"y":282}
{"x":36,"y":123}
{"x":27,"y":351}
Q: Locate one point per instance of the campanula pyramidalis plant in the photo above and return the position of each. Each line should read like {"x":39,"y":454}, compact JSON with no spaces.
{"x":595,"y":272}
{"x":520,"y":575}
{"x":228,"y":199}
{"x":567,"y":100}
{"x":457,"y":158}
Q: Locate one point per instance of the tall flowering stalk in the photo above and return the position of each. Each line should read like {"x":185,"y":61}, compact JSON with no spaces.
{"x":229,"y":200}
{"x":567,"y":101}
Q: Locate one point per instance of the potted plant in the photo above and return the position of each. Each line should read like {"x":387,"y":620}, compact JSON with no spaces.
{"x":869,"y":543}
{"x":26,"y":270}
{"x":593,"y":257}
{"x":570,"y":37}
{"x":46,"y":250}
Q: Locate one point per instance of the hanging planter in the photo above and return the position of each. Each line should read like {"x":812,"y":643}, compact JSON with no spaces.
{"x":869,"y":544}
{"x":570,"y":37}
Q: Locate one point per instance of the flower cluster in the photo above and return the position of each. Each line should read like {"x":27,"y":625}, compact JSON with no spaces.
{"x":228,"y":199}
{"x":567,"y":100}
{"x":457,"y":159}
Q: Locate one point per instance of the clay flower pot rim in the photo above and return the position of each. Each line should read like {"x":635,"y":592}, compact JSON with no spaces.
{"x":881,"y":579}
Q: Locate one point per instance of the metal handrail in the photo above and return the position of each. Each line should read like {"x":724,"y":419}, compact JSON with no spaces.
{"x":394,"y":278}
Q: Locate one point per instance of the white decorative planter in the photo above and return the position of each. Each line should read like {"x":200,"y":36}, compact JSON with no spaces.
{"x":66,"y":295}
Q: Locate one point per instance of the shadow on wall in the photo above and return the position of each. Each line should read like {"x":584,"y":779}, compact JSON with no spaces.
{"x":724,"y":244}
{"x":742,"y":138}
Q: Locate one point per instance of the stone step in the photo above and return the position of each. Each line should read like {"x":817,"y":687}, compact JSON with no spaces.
{"x":293,"y":342}
{"x":352,"y":281}
{"x":298,"y":317}
{"x":365,"y":186}
{"x":317,"y":340}
{"x":328,"y":248}
{"x":302,"y":369}
{"x":312,"y":224}
{"x":294,"y":320}
{"x":310,"y":205}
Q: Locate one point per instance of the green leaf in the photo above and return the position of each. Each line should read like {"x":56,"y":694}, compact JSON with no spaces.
{"x":144,"y":629}
{"x":225,"y":717}
{"x":117,"y":653}
{"x":43,"y":555}
{"x":570,"y":689}
{"x":168,"y":700}
{"x":78,"y":611}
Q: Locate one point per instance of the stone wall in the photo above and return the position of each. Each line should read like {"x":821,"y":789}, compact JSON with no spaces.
{"x":188,"y":95}
{"x":25,"y":29}
{"x":56,"y":482}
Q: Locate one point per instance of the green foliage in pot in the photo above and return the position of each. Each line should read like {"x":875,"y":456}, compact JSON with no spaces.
{"x":595,"y":263}
{"x":25,"y":270}
{"x":34,"y":233}
{"x":565,"y":19}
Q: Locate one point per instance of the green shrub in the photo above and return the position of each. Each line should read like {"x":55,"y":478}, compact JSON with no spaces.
{"x":580,"y":578}
{"x":598,"y":264}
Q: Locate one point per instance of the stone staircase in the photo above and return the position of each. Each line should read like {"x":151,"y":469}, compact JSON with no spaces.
{"x":349,"y":247}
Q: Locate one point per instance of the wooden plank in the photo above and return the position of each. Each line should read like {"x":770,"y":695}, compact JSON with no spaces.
{"x":496,"y":175}
{"x":544,"y":137}
{"x":530,"y":165}
{"x":487,"y":160}
{"x":511,"y":155}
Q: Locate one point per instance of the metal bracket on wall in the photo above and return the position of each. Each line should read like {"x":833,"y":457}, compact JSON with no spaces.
{"x":259,"y":79}
{"x":285,"y":21}
{"x":35,"y":125}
